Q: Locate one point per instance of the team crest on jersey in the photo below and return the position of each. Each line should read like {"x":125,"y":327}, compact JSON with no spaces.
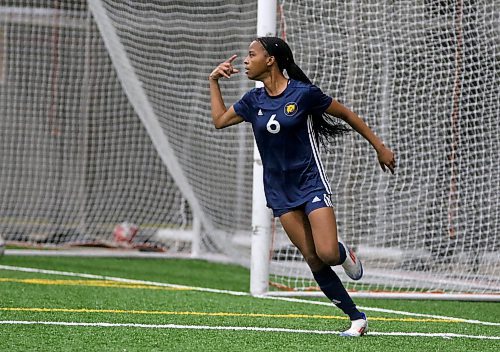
{"x":291,"y":109}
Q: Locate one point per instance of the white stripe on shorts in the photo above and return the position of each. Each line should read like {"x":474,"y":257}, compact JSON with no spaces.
{"x":314,"y":147}
{"x":327,"y":199}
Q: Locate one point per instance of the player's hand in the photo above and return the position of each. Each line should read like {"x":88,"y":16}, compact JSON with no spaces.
{"x":225,"y":69}
{"x":386,"y":158}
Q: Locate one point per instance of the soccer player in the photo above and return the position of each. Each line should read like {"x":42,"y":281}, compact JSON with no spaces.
{"x":289,"y":117}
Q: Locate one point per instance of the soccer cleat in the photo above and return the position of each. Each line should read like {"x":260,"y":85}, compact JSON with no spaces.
{"x":359,"y":327}
{"x":352,"y":265}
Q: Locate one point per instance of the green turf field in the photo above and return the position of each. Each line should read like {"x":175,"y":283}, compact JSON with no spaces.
{"x":49,"y":311}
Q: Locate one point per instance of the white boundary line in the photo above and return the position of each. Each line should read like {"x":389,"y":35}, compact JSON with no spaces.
{"x":242,"y":328}
{"x":235,"y":293}
{"x":119,"y":279}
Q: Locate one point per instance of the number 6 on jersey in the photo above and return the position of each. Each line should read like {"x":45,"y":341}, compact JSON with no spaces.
{"x":273,"y":126}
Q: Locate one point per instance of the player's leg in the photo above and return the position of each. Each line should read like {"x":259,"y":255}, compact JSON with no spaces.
{"x":323,"y":224}
{"x":324,"y":231}
{"x":298,"y":229}
{"x":329,"y":249}
{"x":297,"y":226}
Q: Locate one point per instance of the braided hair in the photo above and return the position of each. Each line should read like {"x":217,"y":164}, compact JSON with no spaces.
{"x":325,"y":127}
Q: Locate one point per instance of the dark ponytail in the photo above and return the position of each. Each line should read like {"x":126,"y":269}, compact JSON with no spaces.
{"x":325,"y":126}
{"x":296,"y":73}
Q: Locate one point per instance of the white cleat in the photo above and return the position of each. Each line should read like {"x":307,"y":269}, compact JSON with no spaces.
{"x":352,"y":265}
{"x":359,"y":327}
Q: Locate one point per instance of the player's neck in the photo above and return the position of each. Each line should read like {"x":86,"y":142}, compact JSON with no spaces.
{"x":275,"y":84}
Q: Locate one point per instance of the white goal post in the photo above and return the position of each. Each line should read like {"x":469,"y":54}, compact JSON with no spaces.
{"x":105,"y":119}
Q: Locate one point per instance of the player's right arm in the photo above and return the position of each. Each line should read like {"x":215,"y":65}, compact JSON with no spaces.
{"x":221,"y":116}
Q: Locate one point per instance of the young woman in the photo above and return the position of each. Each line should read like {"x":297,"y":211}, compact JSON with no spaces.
{"x":289,"y":117}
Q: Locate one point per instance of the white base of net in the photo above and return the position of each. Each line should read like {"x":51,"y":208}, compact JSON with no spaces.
{"x":397,"y":295}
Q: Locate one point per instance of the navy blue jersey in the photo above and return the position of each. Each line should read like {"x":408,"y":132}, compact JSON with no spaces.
{"x":282,"y":126}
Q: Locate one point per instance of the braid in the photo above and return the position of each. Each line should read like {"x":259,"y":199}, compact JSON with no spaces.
{"x":294,"y":72}
{"x":325,"y":126}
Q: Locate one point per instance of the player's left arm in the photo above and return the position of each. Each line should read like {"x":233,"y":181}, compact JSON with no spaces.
{"x":385,"y":156}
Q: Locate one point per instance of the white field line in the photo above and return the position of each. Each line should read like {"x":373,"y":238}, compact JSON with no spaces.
{"x":241,"y":328}
{"x":235,"y":293}
{"x":119,"y":279}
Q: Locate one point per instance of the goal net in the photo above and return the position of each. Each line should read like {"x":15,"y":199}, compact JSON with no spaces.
{"x":424,"y":75}
{"x":105,"y":119}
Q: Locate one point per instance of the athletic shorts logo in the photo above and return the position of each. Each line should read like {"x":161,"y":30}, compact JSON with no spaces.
{"x":324,"y":200}
{"x":291,"y":109}
{"x":316,"y":199}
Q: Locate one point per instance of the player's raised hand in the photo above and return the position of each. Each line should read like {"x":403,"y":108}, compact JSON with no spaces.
{"x":387,"y":159}
{"x":225,"y":69}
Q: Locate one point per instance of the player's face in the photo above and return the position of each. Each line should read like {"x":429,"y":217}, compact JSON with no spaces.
{"x":256,"y":62}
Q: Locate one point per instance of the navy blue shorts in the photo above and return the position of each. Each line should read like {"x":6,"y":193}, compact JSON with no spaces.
{"x":321,"y":200}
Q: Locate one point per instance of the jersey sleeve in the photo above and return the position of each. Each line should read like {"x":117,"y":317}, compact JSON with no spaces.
{"x":244,"y":106}
{"x":318,"y":101}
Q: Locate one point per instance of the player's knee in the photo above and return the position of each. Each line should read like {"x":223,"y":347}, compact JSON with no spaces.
{"x":313,"y":261}
{"x":330,"y":257}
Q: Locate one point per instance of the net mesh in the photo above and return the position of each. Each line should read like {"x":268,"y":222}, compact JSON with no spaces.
{"x":424,"y":76}
{"x":78,"y":160}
